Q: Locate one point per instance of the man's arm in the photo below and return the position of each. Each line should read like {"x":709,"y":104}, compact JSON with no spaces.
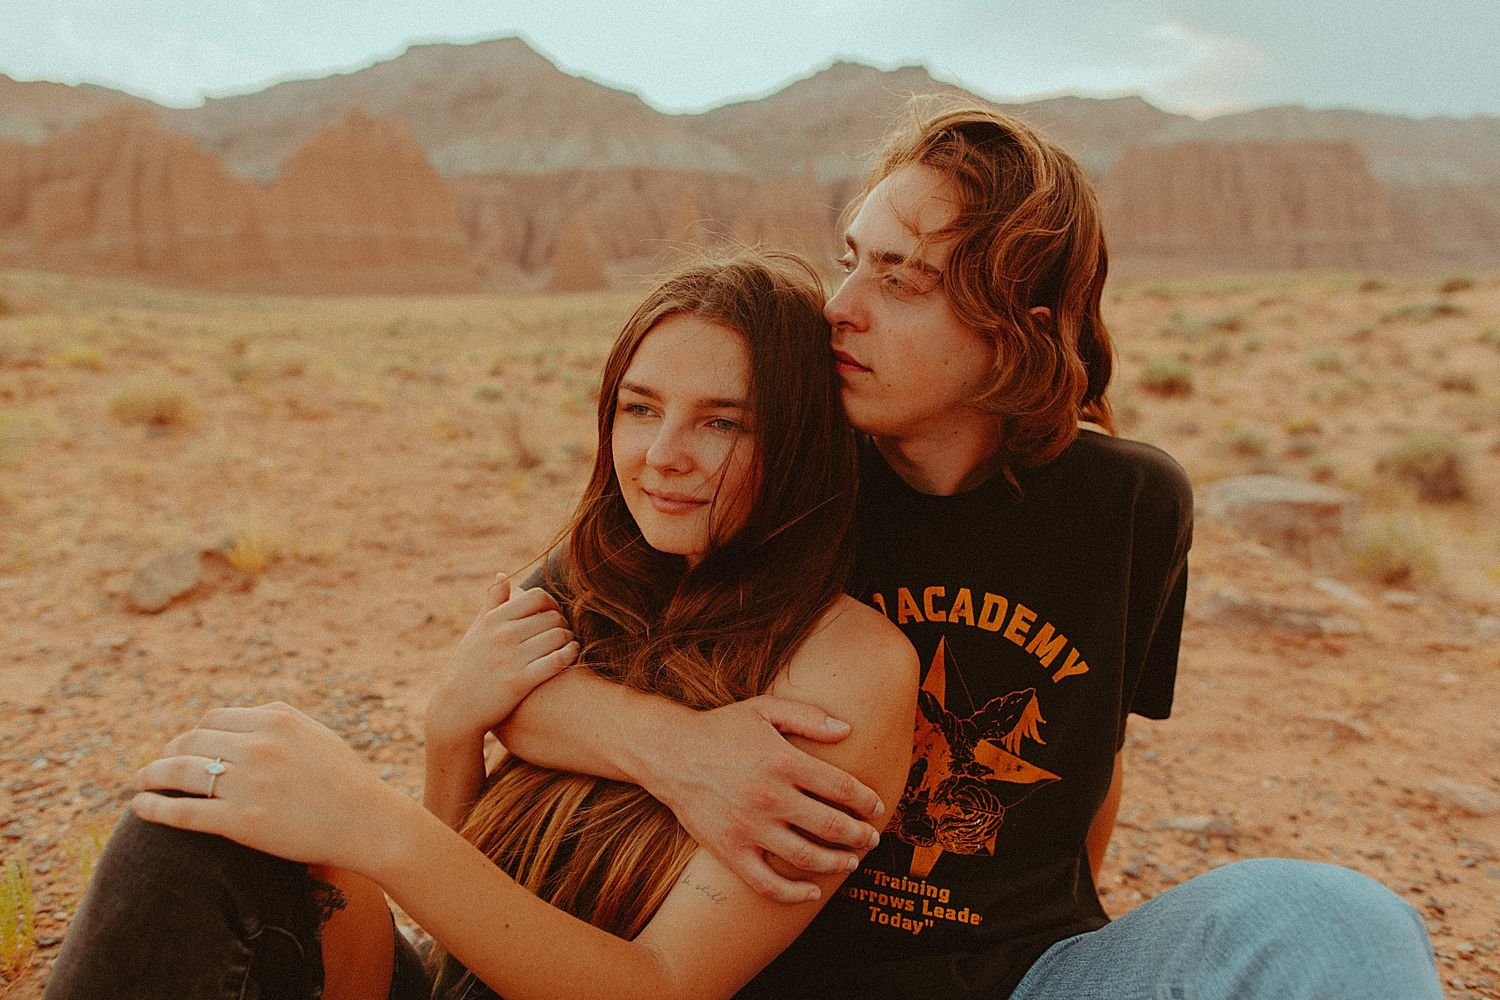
{"x":1103,"y":826}
{"x":729,"y":775}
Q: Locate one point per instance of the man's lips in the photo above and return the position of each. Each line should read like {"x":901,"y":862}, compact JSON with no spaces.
{"x":845,"y":363}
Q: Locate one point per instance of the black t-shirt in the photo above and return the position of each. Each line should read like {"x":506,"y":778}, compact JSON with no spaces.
{"x":1041,"y":620}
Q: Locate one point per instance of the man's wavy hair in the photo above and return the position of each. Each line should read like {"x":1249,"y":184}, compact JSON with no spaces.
{"x":1027,"y":233}
{"x":704,"y":636}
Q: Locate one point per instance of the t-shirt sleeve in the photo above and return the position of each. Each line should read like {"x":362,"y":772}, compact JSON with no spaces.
{"x":1164,"y":534}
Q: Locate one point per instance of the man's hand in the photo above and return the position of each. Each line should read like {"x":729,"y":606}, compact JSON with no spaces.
{"x":744,"y":792}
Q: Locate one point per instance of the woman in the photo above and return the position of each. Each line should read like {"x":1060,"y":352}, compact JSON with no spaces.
{"x":706,"y":563}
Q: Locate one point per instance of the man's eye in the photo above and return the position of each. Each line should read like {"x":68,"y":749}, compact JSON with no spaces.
{"x":845,"y":263}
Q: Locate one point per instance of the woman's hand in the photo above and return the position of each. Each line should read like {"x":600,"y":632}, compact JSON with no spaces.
{"x":516,"y":643}
{"x":288,"y":786}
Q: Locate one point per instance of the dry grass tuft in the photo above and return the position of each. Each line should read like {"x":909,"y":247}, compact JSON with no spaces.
{"x":17,"y":916}
{"x":1430,"y":462}
{"x":154,"y":403}
{"x":1167,"y":377}
{"x":1395,"y":552}
{"x":253,"y":548}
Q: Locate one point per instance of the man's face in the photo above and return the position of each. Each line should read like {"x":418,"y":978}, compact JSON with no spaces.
{"x":908,"y":367}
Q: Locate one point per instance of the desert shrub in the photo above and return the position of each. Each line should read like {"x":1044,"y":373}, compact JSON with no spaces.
{"x":1326,"y":361}
{"x":1253,"y":343}
{"x":489,"y":392}
{"x":1422,"y":312}
{"x":1456,"y":283}
{"x":1247,"y":442}
{"x":17,"y":916}
{"x":1167,"y":377}
{"x":1431,"y":463}
{"x":522,"y":450}
{"x":1458,"y":382}
{"x":1372,"y":285}
{"x":1393,"y":552}
{"x":253,"y":548}
{"x":155,"y":404}
{"x":1304,"y":426}
{"x":1491,"y":337}
{"x":1192,"y":327}
{"x":77,"y":356}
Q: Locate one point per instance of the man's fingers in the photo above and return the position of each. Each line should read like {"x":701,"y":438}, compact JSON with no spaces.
{"x":820,"y":778}
{"x":764,"y":881}
{"x":805,"y":855}
{"x":798,"y":718}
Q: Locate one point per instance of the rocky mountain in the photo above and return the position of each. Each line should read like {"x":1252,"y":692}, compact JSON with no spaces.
{"x":33,"y":112}
{"x":357,"y":206}
{"x":487,"y":156}
{"x":1251,"y":204}
{"x":486,"y":108}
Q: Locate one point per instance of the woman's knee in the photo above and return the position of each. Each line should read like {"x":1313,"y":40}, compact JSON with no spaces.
{"x":150,"y":859}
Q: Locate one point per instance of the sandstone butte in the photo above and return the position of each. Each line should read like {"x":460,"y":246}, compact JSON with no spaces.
{"x":1250,"y":204}
{"x":357,"y":206}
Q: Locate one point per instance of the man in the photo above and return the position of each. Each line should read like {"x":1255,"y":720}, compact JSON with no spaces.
{"x":1040,"y":571}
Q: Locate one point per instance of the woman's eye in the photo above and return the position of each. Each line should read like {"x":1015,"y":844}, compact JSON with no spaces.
{"x":724,"y":424}
{"x":635,"y":409}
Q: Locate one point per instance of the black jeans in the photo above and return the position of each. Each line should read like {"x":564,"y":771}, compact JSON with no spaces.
{"x":176,"y":915}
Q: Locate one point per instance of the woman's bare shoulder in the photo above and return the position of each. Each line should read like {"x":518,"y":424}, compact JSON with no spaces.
{"x":853,"y":648}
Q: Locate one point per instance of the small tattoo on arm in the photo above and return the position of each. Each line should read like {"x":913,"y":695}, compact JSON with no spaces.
{"x":703,"y":889}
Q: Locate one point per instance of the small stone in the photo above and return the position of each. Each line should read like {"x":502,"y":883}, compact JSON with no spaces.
{"x":164,"y":578}
{"x":1231,"y":608}
{"x":1342,"y":592}
{"x":1468,"y":799}
{"x":40,"y":764}
{"x":1399,"y":598}
{"x":1289,"y":515}
{"x":116,"y":642}
{"x":1211,"y":826}
{"x":1341,"y":726}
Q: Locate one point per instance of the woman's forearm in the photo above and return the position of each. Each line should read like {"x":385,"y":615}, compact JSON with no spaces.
{"x":515,"y":943}
{"x":454,"y":774}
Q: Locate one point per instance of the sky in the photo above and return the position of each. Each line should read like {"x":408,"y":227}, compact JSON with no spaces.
{"x":1199,"y":58}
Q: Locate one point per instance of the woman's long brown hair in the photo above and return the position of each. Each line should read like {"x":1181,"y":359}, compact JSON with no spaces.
{"x":704,"y":636}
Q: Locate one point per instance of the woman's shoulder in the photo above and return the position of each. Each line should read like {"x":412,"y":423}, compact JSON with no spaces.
{"x":854,"y":647}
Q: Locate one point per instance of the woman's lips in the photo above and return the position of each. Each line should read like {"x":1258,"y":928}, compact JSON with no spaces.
{"x":670,"y":503}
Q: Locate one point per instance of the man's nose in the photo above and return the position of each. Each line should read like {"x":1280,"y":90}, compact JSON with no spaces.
{"x":844,"y":310}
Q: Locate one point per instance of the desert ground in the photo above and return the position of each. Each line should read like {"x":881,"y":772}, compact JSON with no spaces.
{"x":319,"y":490}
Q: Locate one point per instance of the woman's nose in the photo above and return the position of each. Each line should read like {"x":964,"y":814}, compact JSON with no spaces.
{"x":668,"y":450}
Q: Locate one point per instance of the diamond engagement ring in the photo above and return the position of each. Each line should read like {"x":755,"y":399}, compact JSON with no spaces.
{"x":214,"y":769}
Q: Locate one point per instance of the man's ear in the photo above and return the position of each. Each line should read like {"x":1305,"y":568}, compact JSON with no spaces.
{"x":1042,"y":313}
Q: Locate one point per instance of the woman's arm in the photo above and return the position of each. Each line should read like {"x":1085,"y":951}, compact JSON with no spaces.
{"x":292,"y":788}
{"x":713,"y":933}
{"x":731,"y":777}
{"x":523,"y":636}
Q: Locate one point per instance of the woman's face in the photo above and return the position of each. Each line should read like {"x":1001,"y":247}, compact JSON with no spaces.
{"x":683,"y":441}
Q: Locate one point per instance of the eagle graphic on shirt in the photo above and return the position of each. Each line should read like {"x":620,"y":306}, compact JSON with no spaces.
{"x":966,"y":770}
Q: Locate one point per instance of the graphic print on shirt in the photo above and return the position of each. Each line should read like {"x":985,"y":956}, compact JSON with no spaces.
{"x":967,"y":769}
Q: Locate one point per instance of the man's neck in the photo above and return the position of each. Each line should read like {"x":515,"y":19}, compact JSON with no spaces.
{"x":952,"y":460}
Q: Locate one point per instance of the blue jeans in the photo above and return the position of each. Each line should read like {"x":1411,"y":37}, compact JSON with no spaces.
{"x":1268,"y":929}
{"x":176,"y":915}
